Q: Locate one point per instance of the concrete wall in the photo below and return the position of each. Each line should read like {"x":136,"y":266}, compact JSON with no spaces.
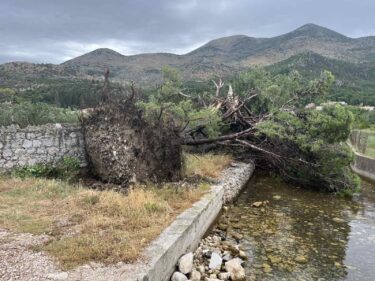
{"x":40,"y":144}
{"x":358,"y":140}
{"x":185,"y":233}
{"x":362,"y":165}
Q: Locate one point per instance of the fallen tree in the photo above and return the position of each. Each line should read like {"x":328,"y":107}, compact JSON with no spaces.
{"x":270,"y":118}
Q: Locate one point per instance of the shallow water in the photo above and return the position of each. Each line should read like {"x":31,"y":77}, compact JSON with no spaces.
{"x":300,"y":234}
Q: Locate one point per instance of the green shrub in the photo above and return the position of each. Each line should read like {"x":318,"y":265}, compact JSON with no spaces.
{"x":25,"y":114}
{"x":65,"y":169}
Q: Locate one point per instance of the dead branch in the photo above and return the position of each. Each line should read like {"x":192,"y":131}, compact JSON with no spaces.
{"x":184,"y":95}
{"x":222,"y":138}
{"x":218,"y":86}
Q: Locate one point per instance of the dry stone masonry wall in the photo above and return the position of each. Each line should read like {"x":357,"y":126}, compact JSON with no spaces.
{"x":40,"y":144}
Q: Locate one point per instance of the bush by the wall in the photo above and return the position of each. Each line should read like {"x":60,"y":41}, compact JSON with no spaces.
{"x":65,"y":169}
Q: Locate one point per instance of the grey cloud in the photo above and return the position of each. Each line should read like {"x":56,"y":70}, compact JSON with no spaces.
{"x":53,"y":30}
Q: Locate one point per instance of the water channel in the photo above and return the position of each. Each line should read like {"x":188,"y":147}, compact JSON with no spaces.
{"x":299,"y":234}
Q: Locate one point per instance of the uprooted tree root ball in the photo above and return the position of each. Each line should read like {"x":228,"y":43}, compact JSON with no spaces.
{"x":123,"y":147}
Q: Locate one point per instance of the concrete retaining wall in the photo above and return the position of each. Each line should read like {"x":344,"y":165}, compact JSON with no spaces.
{"x":40,"y":144}
{"x":364,"y":166}
{"x":358,"y":140}
{"x":184,"y":234}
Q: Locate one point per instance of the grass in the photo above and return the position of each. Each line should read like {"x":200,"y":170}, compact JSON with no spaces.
{"x":370,"y":145}
{"x":88,"y":225}
{"x":206,"y":165}
{"x":370,"y":148}
{"x":103,"y":226}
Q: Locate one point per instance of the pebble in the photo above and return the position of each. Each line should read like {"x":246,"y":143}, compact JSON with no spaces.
{"x":215,"y":261}
{"x":224,"y":276}
{"x":266,"y":268}
{"x":338,"y":220}
{"x":257,"y":204}
{"x":195,"y":275}
{"x":58,"y":276}
{"x":301,"y":259}
{"x":185,"y":264}
{"x":234,"y":267}
{"x":178,"y":276}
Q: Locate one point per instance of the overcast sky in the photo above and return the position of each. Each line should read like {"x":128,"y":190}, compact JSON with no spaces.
{"x":57,"y":30}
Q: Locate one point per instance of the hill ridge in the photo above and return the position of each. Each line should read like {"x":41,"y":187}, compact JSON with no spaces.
{"x":219,"y":57}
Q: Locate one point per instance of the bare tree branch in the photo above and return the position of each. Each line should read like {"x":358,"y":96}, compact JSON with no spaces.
{"x":218,"y":86}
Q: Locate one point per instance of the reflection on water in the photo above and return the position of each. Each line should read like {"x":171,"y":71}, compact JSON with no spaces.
{"x":299,"y":234}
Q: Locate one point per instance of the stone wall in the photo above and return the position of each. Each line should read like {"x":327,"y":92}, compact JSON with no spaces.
{"x":40,"y":144}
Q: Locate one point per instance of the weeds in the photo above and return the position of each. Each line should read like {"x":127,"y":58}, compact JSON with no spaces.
{"x":205,"y":165}
{"x":66,"y":169}
{"x":89,"y":225}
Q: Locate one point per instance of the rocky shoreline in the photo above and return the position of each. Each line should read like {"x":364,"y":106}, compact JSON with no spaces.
{"x":220,"y":256}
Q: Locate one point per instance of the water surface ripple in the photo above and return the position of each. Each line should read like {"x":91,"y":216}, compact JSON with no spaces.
{"x":299,"y":234}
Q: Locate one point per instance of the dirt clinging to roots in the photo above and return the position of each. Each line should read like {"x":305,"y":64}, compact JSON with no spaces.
{"x":123,"y":147}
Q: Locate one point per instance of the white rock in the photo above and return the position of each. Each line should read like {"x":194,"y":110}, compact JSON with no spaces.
{"x":58,"y":126}
{"x":215,"y":261}
{"x":185,"y":264}
{"x":195,"y":276}
{"x":60,"y":276}
{"x":237,"y":272}
{"x":224,"y":276}
{"x":178,"y":276}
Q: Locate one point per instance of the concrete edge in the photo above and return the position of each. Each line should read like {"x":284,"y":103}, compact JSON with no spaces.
{"x":185,"y":233}
{"x":362,"y":173}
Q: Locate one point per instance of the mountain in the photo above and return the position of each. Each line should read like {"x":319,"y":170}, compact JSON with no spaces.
{"x":355,"y":82}
{"x":221,"y":57}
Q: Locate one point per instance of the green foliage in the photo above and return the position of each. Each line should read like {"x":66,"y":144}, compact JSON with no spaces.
{"x":320,"y":137}
{"x":65,"y":169}
{"x":171,"y":87}
{"x":317,"y":137}
{"x":26,"y":113}
{"x":60,"y":92}
{"x":362,"y":118}
{"x":7,"y":94}
{"x":166,"y":102}
{"x":309,"y":129}
{"x":34,"y":171}
{"x":275,"y":91}
{"x":354,"y":83}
